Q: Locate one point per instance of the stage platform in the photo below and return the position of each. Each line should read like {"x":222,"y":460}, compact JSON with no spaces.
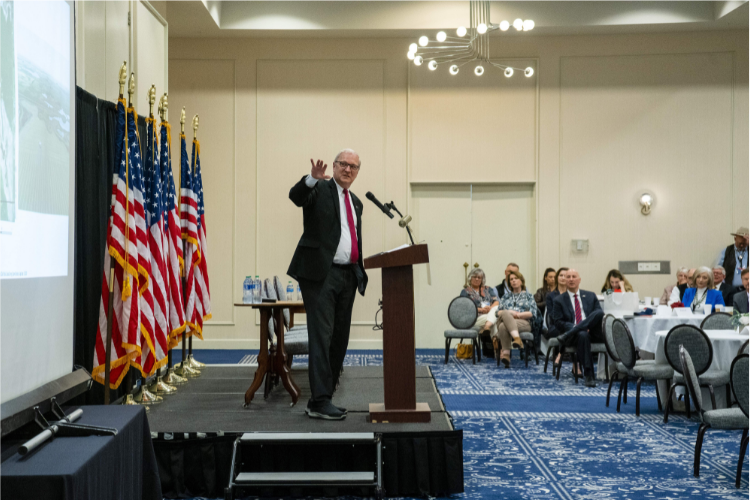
{"x":200,"y":422}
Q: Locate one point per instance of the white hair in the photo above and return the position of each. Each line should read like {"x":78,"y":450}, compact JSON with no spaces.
{"x":708,"y":272}
{"x":476,"y":271}
{"x":683,"y":270}
{"x":350,"y":151}
{"x":721,"y":269}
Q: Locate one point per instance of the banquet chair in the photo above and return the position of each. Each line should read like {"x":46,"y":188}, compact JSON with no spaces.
{"x":717,"y":321}
{"x":726,"y":418}
{"x":296,"y":340}
{"x":630,"y":367}
{"x":553,"y":346}
{"x":701,"y":351}
{"x":743,"y":348}
{"x":462,"y":314}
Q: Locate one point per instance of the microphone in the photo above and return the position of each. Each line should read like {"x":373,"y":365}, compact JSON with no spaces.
{"x":372,"y":198}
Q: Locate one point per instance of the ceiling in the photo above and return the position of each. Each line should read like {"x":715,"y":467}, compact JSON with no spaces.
{"x":337,"y":19}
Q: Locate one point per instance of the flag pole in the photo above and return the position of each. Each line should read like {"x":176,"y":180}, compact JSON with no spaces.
{"x":122,"y":77}
{"x":194,"y":363}
{"x":171,"y":378}
{"x":129,"y":377}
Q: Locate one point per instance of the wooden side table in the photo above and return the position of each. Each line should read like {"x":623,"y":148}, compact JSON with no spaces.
{"x":275,"y":364}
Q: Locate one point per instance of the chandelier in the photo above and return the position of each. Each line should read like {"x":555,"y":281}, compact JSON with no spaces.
{"x":470,"y":45}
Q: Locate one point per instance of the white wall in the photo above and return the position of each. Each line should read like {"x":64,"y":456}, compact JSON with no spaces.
{"x":108,"y":33}
{"x":605,"y":117}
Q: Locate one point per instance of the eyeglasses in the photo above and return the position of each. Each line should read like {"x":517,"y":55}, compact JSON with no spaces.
{"x":345,"y":165}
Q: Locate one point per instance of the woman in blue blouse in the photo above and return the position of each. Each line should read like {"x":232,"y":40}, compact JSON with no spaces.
{"x":517,"y":313}
{"x":703,"y":293}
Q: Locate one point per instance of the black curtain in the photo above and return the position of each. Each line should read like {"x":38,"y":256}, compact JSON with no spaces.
{"x":95,"y":157}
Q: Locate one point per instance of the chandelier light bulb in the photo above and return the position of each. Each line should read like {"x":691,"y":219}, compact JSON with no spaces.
{"x":479,"y":70}
{"x":461,"y":31}
{"x":453,"y":70}
{"x":528,"y":72}
{"x":504,"y":25}
{"x":482,"y":29}
{"x":432,"y":65}
{"x":441,"y":36}
{"x":508,"y":72}
{"x":528,"y":25}
{"x":423,"y":40}
{"x":413,"y":47}
{"x":410,"y":55}
{"x":518,"y":24}
{"x":418,"y":60}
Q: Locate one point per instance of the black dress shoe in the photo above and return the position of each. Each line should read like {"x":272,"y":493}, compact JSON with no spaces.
{"x":325,"y":411}
{"x":566,"y":338}
{"x":590,"y":382}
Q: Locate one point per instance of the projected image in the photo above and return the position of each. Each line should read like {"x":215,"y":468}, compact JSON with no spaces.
{"x":35,"y":108}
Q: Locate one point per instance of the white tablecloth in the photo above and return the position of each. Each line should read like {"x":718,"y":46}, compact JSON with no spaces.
{"x":644,"y":328}
{"x":725,"y":343}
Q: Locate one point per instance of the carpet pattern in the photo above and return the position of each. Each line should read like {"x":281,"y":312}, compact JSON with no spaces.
{"x":529,"y":436}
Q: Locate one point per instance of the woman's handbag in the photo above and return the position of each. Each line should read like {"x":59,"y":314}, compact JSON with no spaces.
{"x":464,"y":351}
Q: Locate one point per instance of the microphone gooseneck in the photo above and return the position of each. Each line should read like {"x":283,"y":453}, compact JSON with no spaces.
{"x":372,"y":198}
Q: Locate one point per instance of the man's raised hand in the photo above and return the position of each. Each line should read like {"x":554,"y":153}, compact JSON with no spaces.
{"x":319,"y":170}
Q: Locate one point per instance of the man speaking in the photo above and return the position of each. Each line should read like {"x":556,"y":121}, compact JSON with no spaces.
{"x":328,"y":266}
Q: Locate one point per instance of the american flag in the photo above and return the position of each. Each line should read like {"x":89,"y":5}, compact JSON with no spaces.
{"x":155,"y":300}
{"x":172,"y":232}
{"x":201,"y":274}
{"x":189,"y":220}
{"x":122,"y":246}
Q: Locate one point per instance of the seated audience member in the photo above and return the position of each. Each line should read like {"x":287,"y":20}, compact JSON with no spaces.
{"x":734,"y":257}
{"x":681,"y":280}
{"x":485,"y":298}
{"x":703,"y":293}
{"x":561,"y":286}
{"x":616,"y":282}
{"x":720,"y":284}
{"x":517,"y":313}
{"x":679,"y":291}
{"x":548,"y":284}
{"x":504,"y":287}
{"x":740,"y":299}
{"x":578,"y":315}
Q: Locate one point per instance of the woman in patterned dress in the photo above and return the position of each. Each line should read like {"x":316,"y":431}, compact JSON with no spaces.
{"x":517,"y":313}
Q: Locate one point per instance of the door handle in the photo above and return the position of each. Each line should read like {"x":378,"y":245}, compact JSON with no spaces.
{"x":466,"y":274}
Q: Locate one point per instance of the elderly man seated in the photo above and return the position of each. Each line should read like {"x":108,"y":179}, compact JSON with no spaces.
{"x":720,"y":283}
{"x":578,"y":314}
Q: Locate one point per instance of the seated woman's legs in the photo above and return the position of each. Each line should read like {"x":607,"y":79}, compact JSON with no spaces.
{"x":502,"y":336}
{"x":512,"y":325}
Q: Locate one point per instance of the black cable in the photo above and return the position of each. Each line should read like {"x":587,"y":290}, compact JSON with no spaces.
{"x":378,"y":326}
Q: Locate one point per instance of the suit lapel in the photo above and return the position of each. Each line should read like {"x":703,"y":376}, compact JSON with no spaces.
{"x":335,"y":199}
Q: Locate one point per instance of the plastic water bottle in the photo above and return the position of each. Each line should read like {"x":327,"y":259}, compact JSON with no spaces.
{"x":290,"y":291}
{"x":299,"y":293}
{"x":257,"y":296}
{"x":247,"y":291}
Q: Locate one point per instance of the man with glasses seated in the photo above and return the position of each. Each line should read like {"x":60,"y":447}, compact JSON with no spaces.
{"x":329,"y":268}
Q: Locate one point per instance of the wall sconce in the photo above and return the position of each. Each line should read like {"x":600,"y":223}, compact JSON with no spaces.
{"x":647,"y":200}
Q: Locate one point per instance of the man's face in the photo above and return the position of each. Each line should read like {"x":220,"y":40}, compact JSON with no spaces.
{"x":740,"y":242}
{"x":573,"y":280}
{"x":509,"y":270}
{"x":718,"y":276}
{"x":345,"y":169}
{"x":745,"y":279}
{"x":691,"y":275}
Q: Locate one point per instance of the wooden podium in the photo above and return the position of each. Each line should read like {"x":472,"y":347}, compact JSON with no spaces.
{"x":399,"y":377}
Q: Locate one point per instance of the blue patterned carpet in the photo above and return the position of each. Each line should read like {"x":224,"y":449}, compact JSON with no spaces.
{"x":528,"y":436}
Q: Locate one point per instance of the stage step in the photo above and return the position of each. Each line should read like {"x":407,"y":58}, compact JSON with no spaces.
{"x":254,"y":451}
{"x":306,"y":478}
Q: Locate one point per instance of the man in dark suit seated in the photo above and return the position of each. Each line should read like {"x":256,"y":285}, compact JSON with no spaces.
{"x":578,"y":314}
{"x":720,"y":283}
{"x":504,"y":285}
{"x":740,"y":300}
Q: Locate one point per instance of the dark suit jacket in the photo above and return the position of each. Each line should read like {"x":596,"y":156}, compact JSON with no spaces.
{"x":682,"y":289}
{"x":322,"y":231}
{"x":500,"y":289}
{"x":550,"y":324}
{"x":563,"y":314}
{"x":740,"y":301}
{"x":727,"y":291}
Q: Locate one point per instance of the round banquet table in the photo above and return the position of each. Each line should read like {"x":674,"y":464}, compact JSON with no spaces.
{"x":725,"y":345}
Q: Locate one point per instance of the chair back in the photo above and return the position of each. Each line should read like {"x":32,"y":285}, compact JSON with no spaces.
{"x":462,"y":313}
{"x":738,"y":375}
{"x":268,"y":291}
{"x":717,"y":321}
{"x":691,"y":379}
{"x":607,"y":323}
{"x":743,"y":348}
{"x":281,"y":294}
{"x":697,"y":344}
{"x":622,"y":341}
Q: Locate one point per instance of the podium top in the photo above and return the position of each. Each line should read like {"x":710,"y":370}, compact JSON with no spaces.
{"x":415,"y":254}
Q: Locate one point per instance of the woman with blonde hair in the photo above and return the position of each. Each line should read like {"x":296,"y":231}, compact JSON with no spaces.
{"x":516,"y":313}
{"x":703,"y":293}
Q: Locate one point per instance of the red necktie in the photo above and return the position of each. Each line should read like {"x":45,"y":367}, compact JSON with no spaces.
{"x":579,"y":317}
{"x":352,"y":229}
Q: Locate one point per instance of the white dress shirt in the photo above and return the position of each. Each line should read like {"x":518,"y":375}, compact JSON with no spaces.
{"x":675,"y":296}
{"x":343,"y":253}
{"x":573,"y":303}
